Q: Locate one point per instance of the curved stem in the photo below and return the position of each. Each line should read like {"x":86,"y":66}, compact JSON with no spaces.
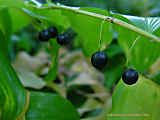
{"x":22,"y":114}
{"x":107,"y":18}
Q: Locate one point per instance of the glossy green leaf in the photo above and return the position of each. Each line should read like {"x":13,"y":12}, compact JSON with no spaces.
{"x":89,"y":30}
{"x":113,"y":50}
{"x":5,"y":18}
{"x":6,"y":30}
{"x":4,"y":45}
{"x":47,"y":106}
{"x":19,"y":20}
{"x":49,"y":17}
{"x":139,"y":101}
{"x":141,"y":52}
{"x":149,"y":24}
{"x":12,"y":93}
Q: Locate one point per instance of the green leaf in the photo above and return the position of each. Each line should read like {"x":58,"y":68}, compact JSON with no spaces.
{"x":10,"y":3}
{"x":112,"y":75}
{"x":89,"y":29}
{"x":4,"y":45}
{"x":141,"y":52}
{"x":6,"y":30}
{"x":12,"y":93}
{"x":19,"y":20}
{"x":149,"y":24}
{"x":113,"y":50}
{"x":140,"y":98}
{"x":46,"y":106}
{"x":5,"y":18}
{"x":48,"y":17}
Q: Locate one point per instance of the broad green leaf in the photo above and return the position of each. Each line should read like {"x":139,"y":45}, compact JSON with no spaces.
{"x":12,"y":93}
{"x":141,"y":52}
{"x":47,"y":106}
{"x":89,"y":30}
{"x":4,"y":45}
{"x":11,"y":3}
{"x":113,"y":50}
{"x":6,"y":30}
{"x":19,"y":20}
{"x":5,"y":18}
{"x":112,"y":75}
{"x":149,"y":24}
{"x":141,"y":99}
{"x":49,"y":17}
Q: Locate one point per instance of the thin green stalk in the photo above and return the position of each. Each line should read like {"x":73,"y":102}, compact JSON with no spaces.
{"x":107,"y":18}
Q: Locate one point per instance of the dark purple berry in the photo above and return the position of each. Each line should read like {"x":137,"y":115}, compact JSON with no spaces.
{"x":57,"y":80}
{"x":44,"y":35}
{"x":99,"y":60}
{"x":63,"y":39}
{"x":130,"y":76}
{"x":53,"y":32}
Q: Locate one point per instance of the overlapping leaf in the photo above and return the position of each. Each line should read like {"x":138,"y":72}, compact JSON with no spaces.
{"x":50,"y":107}
{"x":12,"y":93}
{"x":141,"y":52}
{"x":89,"y":30}
{"x":139,"y":101}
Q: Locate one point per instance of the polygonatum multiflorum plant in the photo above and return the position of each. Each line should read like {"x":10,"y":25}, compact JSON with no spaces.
{"x":138,"y":37}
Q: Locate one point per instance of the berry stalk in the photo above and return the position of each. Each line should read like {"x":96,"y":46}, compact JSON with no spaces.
{"x":106,"y":18}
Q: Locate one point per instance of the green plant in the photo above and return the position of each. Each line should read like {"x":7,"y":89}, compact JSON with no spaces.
{"x":139,"y":41}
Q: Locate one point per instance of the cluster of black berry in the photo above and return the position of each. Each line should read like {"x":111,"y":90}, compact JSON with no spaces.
{"x":47,"y":34}
{"x":52,"y":32}
{"x":99,"y":61}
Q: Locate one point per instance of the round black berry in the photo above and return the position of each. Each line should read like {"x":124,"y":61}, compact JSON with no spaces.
{"x":44,"y":35}
{"x":63,"y":39}
{"x":99,"y":60}
{"x":57,"y":80}
{"x":53,"y":32}
{"x":130,"y":76}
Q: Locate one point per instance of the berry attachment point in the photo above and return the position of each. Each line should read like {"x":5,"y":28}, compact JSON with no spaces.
{"x":130,"y":76}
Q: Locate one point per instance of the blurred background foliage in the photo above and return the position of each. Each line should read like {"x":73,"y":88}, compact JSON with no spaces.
{"x":131,"y":7}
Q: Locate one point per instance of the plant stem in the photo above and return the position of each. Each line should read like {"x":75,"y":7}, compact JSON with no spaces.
{"x":22,"y":114}
{"x":107,"y":18}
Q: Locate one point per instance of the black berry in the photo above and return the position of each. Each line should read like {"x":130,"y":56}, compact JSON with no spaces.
{"x":130,"y":76}
{"x":63,"y":39}
{"x":57,"y":80}
{"x":53,"y":32}
{"x":99,"y":60}
{"x":44,"y":35}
